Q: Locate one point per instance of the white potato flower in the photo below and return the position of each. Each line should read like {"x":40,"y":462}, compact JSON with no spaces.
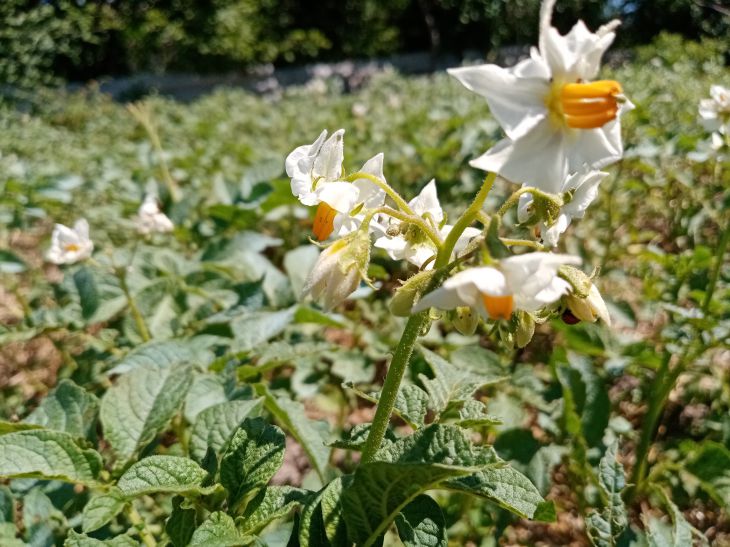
{"x":715,"y":115}
{"x":403,"y":241}
{"x":525,"y":282}
{"x":70,"y":245}
{"x":590,"y":308}
{"x":316,"y":179}
{"x":580,"y":189}
{"x":151,"y":219}
{"x":339,"y":270}
{"x":556,"y":119}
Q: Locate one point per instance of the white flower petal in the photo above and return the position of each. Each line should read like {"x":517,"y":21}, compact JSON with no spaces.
{"x":548,"y":294}
{"x":371,"y":195}
{"x":586,"y":190}
{"x":551,"y":234}
{"x":427,"y":201}
{"x":341,"y":196}
{"x":538,"y":155}
{"x":518,"y":103}
{"x":328,"y":162}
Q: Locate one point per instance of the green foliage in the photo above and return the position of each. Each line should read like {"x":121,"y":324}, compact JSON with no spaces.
{"x":253,"y":456}
{"x":46,"y":454}
{"x":174,"y":437}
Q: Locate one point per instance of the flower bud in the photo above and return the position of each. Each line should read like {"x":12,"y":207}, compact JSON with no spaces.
{"x":579,"y":281}
{"x":465,"y":319}
{"x":339,"y":269}
{"x":590,"y":308}
{"x":409,"y":293}
{"x":525,"y":329}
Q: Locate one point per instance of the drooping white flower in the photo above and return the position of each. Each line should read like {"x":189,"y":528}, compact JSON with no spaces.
{"x":555,"y":118}
{"x":70,"y":245}
{"x":715,"y":115}
{"x":410,"y":243}
{"x":339,"y":270}
{"x":526,"y":282}
{"x":590,"y":308}
{"x":151,"y":219}
{"x":582,"y":187}
{"x":316,"y":179}
{"x":715,"y":111}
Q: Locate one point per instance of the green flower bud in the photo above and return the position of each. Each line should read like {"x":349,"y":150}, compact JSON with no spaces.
{"x":525,"y":329}
{"x":579,"y":281}
{"x":409,"y":293}
{"x":465,"y":319}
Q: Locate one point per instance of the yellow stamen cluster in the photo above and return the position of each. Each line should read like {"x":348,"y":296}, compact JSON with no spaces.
{"x":71,"y":247}
{"x":498,"y":307}
{"x":324,"y":221}
{"x":590,"y":105}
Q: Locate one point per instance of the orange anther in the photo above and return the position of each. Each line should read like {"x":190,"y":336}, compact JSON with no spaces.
{"x":324,"y":221}
{"x":498,"y":307}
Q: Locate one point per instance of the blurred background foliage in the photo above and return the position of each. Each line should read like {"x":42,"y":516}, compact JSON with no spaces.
{"x":51,"y":41}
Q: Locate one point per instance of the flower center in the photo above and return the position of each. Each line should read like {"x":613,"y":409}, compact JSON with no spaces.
{"x":324,"y":221}
{"x":71,"y":247}
{"x":498,"y":307}
{"x":589,"y":106}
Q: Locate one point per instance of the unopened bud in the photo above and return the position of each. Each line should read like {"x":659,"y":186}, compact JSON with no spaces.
{"x":590,"y":308}
{"x":525,"y":329}
{"x":465,"y":319}
{"x":580,"y":282}
{"x":408,"y":294}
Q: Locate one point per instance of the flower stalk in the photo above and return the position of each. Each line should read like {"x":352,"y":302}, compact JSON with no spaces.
{"x":413,"y":328}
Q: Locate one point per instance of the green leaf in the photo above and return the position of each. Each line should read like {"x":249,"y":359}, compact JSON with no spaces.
{"x":215,"y":425}
{"x":474,"y":413}
{"x":509,"y":489}
{"x":332,"y":517}
{"x":606,"y":527}
{"x":271,"y":503}
{"x":88,"y":293}
{"x":421,"y":524}
{"x":411,"y":403}
{"x":162,"y":474}
{"x":74,"y":539}
{"x":310,"y":434}
{"x":181,"y":524}
{"x":7,"y":505}
{"x":8,"y":536}
{"x":254,"y":454}
{"x":492,"y":478}
{"x":380,"y":490}
{"x":10,"y":427}
{"x":710,"y":463}
{"x":140,"y":405}
{"x":305,"y":314}
{"x":206,"y":390}
{"x":219,"y":530}
{"x":101,"y":509}
{"x":451,"y":384}
{"x":167,"y":354}
{"x":10,"y":263}
{"x":311,"y":524}
{"x":67,"y":408}
{"x":44,"y":454}
{"x":42,"y":520}
{"x":355,"y":438}
{"x":254,"y":328}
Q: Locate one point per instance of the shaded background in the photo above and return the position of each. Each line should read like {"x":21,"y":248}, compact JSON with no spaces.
{"x":52,"y":41}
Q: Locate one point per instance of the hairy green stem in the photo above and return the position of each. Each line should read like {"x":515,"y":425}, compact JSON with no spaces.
{"x":408,"y":218}
{"x":715,"y":275}
{"x":134,"y":310}
{"x":413,"y":328}
{"x":136,"y":520}
{"x":396,"y":370}
{"x":387,"y":188}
